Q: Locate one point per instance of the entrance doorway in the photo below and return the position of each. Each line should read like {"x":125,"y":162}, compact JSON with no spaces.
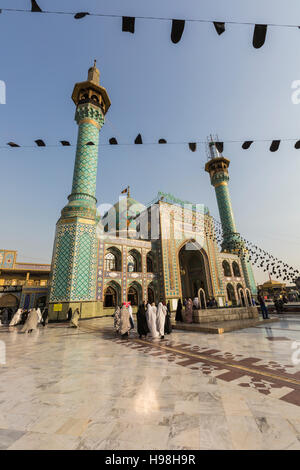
{"x":194,"y":271}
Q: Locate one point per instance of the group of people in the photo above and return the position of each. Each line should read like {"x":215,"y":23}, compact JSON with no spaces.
{"x":185,"y":316}
{"x":28,"y":318}
{"x":151,"y":319}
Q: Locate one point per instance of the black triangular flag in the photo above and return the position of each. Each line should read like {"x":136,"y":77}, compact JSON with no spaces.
{"x":220,"y":27}
{"x":35,"y":7}
{"x":259,"y":35}
{"x":247,"y":144}
{"x":13,"y":144}
{"x":138,"y":139}
{"x":162,"y":141}
{"x":90,"y":143}
{"x":297,"y":145}
{"x":113,"y":141}
{"x":219,"y":146}
{"x":177,"y":30}
{"x":128,"y":24}
{"x":193,"y":146}
{"x":65,"y":143}
{"x":40,"y":143}
{"x":80,"y":15}
{"x":274,"y":145}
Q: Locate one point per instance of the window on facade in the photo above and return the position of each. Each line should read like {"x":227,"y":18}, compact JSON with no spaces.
{"x":236,"y":269}
{"x":231,"y":294}
{"x":131,"y":264}
{"x":110,"y":297}
{"x":226,"y":269}
{"x":110,"y":262}
{"x":149,"y":264}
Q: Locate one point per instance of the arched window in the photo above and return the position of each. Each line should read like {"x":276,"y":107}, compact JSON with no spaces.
{"x":248,"y":298}
{"x":131,"y":264}
{"x":110,"y":262}
{"x":134,"y":261}
{"x":150,"y":267}
{"x":236,"y":269}
{"x":226,"y":268}
{"x":112,"y":259}
{"x":240,"y":291}
{"x":230,"y":294}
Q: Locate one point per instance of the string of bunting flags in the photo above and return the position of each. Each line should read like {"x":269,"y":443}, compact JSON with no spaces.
{"x":256,"y":255}
{"x":177,"y":25}
{"x":245,"y":145}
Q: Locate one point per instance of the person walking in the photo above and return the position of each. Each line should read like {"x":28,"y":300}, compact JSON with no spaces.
{"x":178,"y":316}
{"x":31,"y":322}
{"x":117,"y":320}
{"x":75,"y":318}
{"x":142,"y":326}
{"x":125,"y":325}
{"x":39,"y":314}
{"x":16,"y":319}
{"x":44,"y":317}
{"x":151,"y":320}
{"x":130,"y":316}
{"x":70,"y":313}
{"x":263,"y":307}
{"x":168,"y":324}
{"x":160,"y":319}
{"x":189,"y":311}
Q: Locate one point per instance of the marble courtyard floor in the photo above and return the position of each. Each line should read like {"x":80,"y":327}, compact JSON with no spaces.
{"x":63,"y":388}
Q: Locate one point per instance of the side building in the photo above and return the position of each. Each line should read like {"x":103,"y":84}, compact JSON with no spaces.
{"x":23,"y":285}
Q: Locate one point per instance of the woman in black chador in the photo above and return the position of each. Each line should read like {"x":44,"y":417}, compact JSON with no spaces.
{"x":179,"y":311}
{"x":168,"y":324}
{"x":142,"y":326}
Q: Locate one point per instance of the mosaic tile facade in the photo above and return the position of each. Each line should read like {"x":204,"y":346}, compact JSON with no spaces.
{"x":219,"y":179}
{"x":74,"y":268}
{"x":7,"y":258}
{"x":85,"y":171}
{"x":74,"y":263}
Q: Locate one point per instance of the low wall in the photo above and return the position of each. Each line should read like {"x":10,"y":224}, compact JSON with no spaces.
{"x":224,"y":314}
{"x":87,"y":310}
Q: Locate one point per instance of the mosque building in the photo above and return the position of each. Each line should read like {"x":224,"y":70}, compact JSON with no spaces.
{"x":164,"y":251}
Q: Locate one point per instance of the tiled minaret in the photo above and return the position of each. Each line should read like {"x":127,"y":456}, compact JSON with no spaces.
{"x":73,"y":278}
{"x":217,"y":167}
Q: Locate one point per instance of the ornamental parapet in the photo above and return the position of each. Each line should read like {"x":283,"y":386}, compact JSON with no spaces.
{"x":88,"y":111}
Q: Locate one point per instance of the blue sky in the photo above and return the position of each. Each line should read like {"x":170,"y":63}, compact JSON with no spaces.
{"x":204,"y":84}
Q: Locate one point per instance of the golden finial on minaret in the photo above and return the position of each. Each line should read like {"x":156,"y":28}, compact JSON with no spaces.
{"x":90,"y":91}
{"x":94,"y":74}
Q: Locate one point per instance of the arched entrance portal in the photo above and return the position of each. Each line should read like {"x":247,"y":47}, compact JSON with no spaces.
{"x":230,"y":295}
{"x":239,"y":288}
{"x":112,"y":295}
{"x":202,"y":298}
{"x":248,"y":298}
{"x":9,"y":300}
{"x":134,"y":294}
{"x":194,"y":270}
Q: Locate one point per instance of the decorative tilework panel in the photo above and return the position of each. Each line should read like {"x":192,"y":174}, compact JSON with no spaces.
{"x":83,"y":267}
{"x":85,"y":170}
{"x":62,"y":272}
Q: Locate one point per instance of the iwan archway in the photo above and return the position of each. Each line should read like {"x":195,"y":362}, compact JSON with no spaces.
{"x":194,"y":270}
